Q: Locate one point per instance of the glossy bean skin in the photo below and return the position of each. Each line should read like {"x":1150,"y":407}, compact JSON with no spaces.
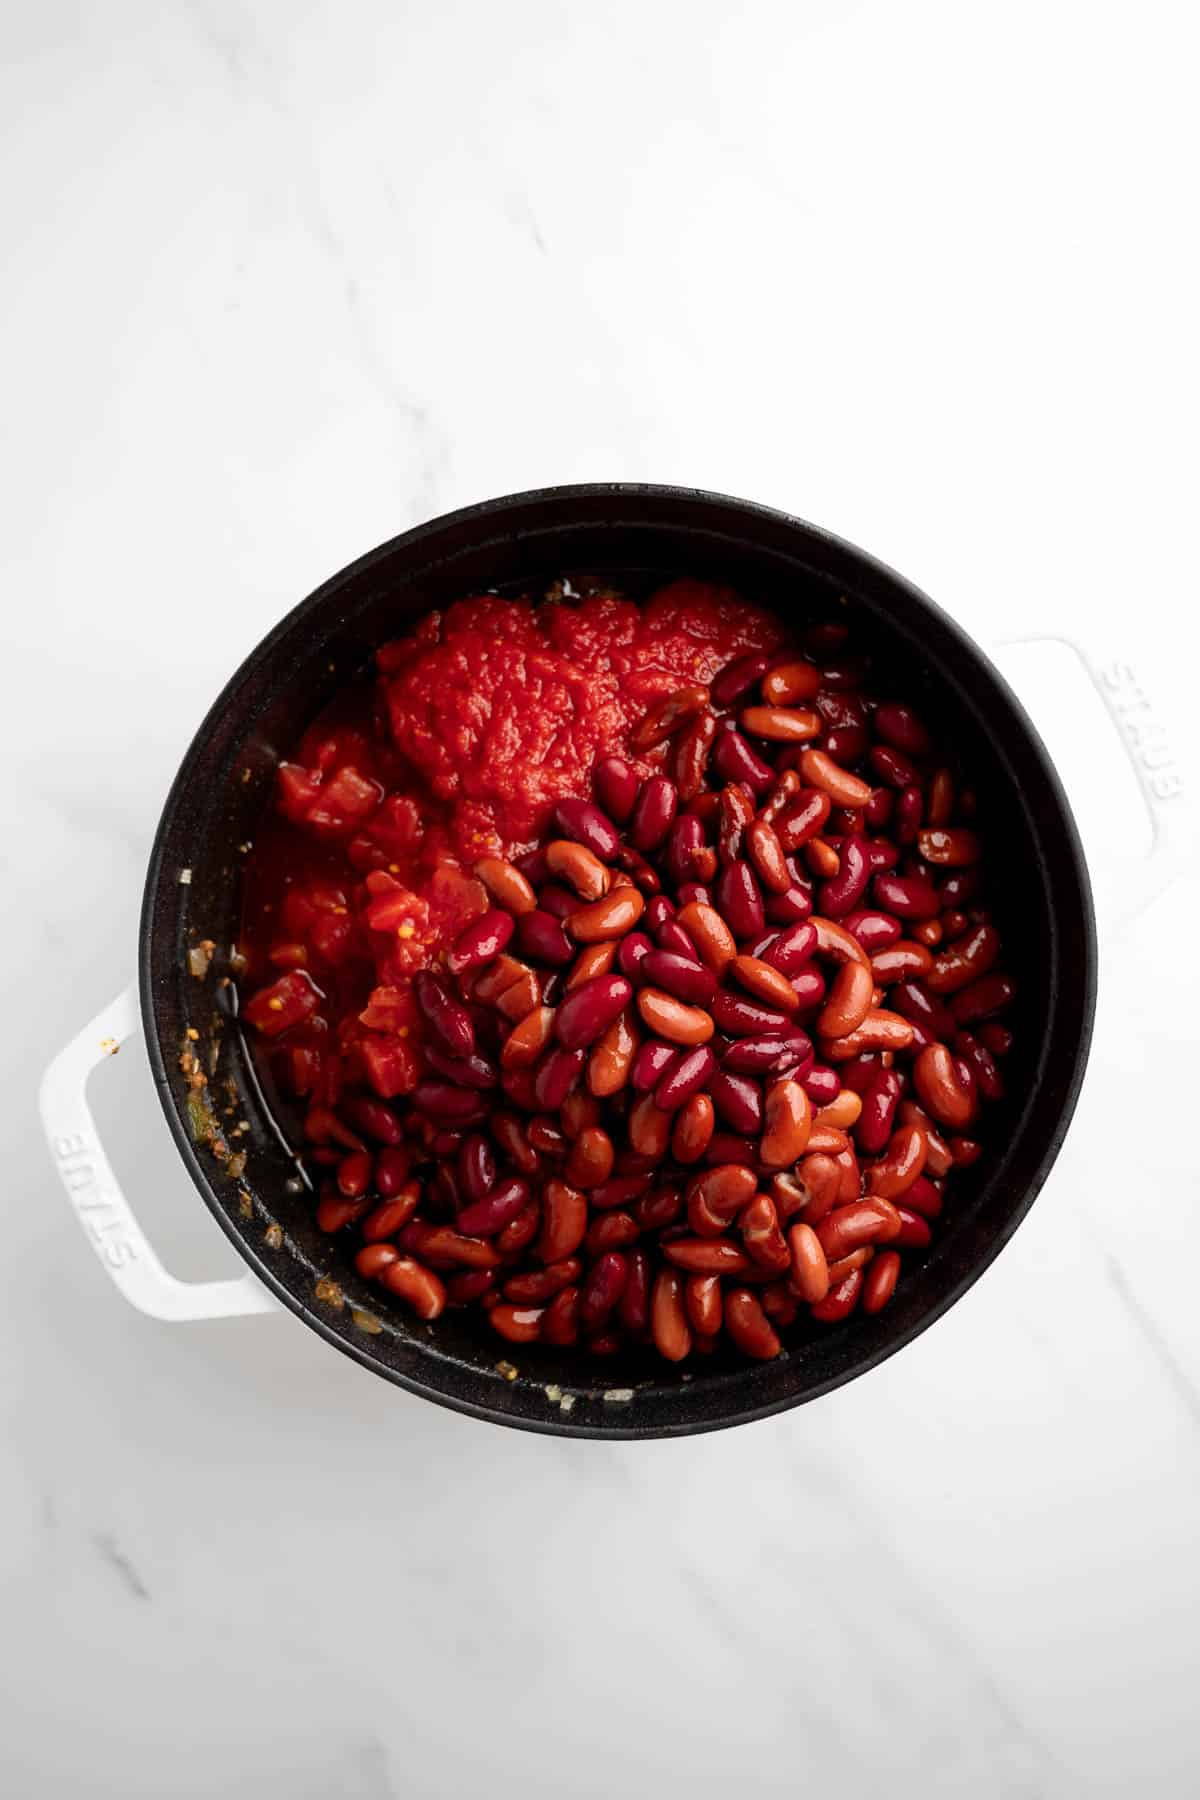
{"x":981,"y":998}
{"x":692,"y":1132}
{"x":841,"y":1300}
{"x":792,"y":948}
{"x":542,"y":938}
{"x":739,"y":1102}
{"x":849,"y":1001}
{"x":667,"y":715}
{"x":712,"y":937}
{"x":611,"y":1062}
{"x":819,"y":770}
{"x":692,"y":753}
{"x":679,"y":975}
{"x":899,"y":726}
{"x":707,"y":1256}
{"x":506,"y":884}
{"x":781,"y":724}
{"x":601,"y":1289}
{"x":633,"y":1308}
{"x":809,"y":1264}
{"x":746,"y":1018}
{"x":616,"y":784}
{"x":904,"y":1160}
{"x":964,"y":961}
{"x":564,"y":1221}
{"x":413,"y":1283}
{"x":556,"y":1074}
{"x":591,"y":1158}
{"x":670,"y":1018}
{"x":941,"y":1090}
{"x":588,"y":825}
{"x":736,"y":761}
{"x":586,"y":1012}
{"x":902,"y":961}
{"x":649,"y":1128}
{"x":771,"y":1053}
{"x":737,"y":678}
{"x":879,"y":1103}
{"x":446,"y":1017}
{"x":788,"y":1123}
{"x":654,"y":814}
{"x":749,"y":1326}
{"x":611,"y":917}
{"x":949,"y":849}
{"x":879,"y":1282}
{"x":702,"y":1303}
{"x":739,"y":900}
{"x":654,"y":1059}
{"x":685,"y":1079}
{"x":577,"y":867}
{"x":880,"y":1030}
{"x":803,"y":819}
{"x":527,"y":1041}
{"x":668,"y":1318}
{"x":909,"y":897}
{"x":498,"y":1208}
{"x":790,"y":681}
{"x":843,"y":892}
{"x":480,"y":942}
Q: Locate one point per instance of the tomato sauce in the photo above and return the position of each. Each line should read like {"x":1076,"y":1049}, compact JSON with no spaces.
{"x":457,"y":746}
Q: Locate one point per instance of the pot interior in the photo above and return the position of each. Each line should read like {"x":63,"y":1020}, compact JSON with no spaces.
{"x":634,"y":536}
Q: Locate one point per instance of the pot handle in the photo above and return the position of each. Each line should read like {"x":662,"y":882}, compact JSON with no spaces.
{"x":92,"y":1188}
{"x":1125,"y":886}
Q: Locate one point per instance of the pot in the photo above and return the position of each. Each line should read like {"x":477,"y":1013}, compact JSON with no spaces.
{"x":1042,"y":902}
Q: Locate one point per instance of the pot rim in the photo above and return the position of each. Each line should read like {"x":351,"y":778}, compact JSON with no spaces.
{"x":492,"y":512}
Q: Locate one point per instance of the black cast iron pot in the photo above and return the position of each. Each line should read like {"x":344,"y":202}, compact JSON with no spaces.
{"x":1039,"y":887}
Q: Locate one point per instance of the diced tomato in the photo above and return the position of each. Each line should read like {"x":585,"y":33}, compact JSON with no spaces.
{"x":325,"y":748}
{"x":305,"y":1067}
{"x":363,"y":853}
{"x":297,"y":791}
{"x":332,"y":937}
{"x":288,"y":954}
{"x":287,"y":1002}
{"x":391,"y":1065}
{"x":346,"y":801}
{"x":397,"y":826}
{"x":390,"y":1009}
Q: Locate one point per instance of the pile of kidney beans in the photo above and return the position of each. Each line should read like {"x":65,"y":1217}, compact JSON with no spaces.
{"x":710,"y":1058}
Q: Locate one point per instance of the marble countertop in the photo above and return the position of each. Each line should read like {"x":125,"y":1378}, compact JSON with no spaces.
{"x":283,"y":280}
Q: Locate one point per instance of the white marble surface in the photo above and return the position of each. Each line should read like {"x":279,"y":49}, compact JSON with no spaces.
{"x":280,"y":280}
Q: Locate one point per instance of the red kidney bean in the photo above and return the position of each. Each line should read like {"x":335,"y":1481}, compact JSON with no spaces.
{"x":563,"y":1223}
{"x":953,"y":849}
{"x":997,"y":1038}
{"x":519,"y":1324}
{"x":821,"y":1084}
{"x":476,"y":1166}
{"x":764,"y":982}
{"x":900,"y":727}
{"x":686,"y":1077}
{"x":893,"y":766}
{"x":846,"y":743}
{"x":668,"y":1321}
{"x":749,"y":1326}
{"x":941,"y":1089}
{"x":875,"y":931}
{"x":611,"y":917}
{"x":907,"y":896}
{"x":560,"y":1321}
{"x":556,"y":1074}
{"x":901,"y":962}
{"x":354,"y":1174}
{"x":771,"y":1053}
{"x":692,"y":752}
{"x":602,"y":1288}
{"x":702,"y":1303}
{"x":480,"y":942}
{"x":539,"y":1285}
{"x":391,"y":1170}
{"x":791,"y":680}
{"x":745,"y":1018}
{"x":542,"y":938}
{"x":633,"y":950}
{"x":684,"y":847}
{"x":707,"y":1256}
{"x":373,"y":1117}
{"x":882,"y":855}
{"x":622,"y":1190}
{"x":849,"y":1001}
{"x":658,"y":912}
{"x":786,"y":909}
{"x":611,"y":1231}
{"x":693,"y":1129}
{"x":649,"y":1128}
{"x":633,"y":1308}
{"x":654,"y":814}
{"x":781,"y":724}
{"x":446,"y":1017}
{"x":879,"y":1283}
{"x":727,"y":1147}
{"x":653,"y":1061}
{"x":644,"y":876}
{"x":803,"y":819}
{"x":793,"y":948}
{"x":484,"y":1218}
{"x":586,"y":1012}
{"x":740,"y":900}
{"x":616,"y":784}
{"x":462,"y":1071}
{"x":411,"y":1282}
{"x":914,"y":1233}
{"x":788,"y":1123}
{"x":843,"y":891}
{"x":738,"y":677}
{"x":841,"y":1300}
{"x":581,"y":820}
{"x":526,"y":1041}
{"x":469,"y":1285}
{"x":924,"y":1198}
{"x":560,"y":902}
{"x":914,"y":1001}
{"x":965,"y":1151}
{"x":591,"y":1158}
{"x":735,"y":760}
{"x":672,"y":938}
{"x":693,"y":893}
{"x":960,"y":888}
{"x":878,"y":810}
{"x":979,"y":999}
{"x":670,"y":1018}
{"x":965,"y":960}
{"x":895,"y":1173}
{"x":987,"y":1076}
{"x":766,"y":854}
{"x":735,"y":812}
{"x":666,"y":715}
{"x":738,"y":1100}
{"x":686,"y":979}
{"x":374,"y":1259}
{"x":448,"y":1104}
{"x":879,"y":1102}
